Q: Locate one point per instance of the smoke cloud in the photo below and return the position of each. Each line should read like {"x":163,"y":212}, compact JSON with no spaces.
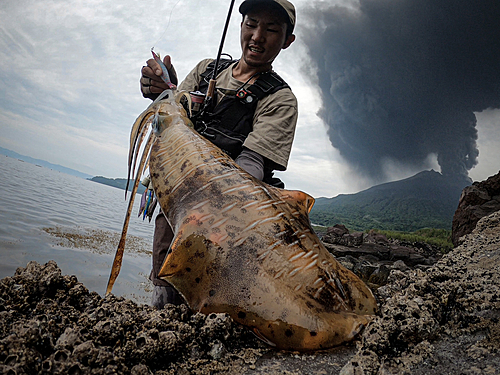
{"x":400,"y":80}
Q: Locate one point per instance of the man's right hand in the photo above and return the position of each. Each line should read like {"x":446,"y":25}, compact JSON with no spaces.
{"x":151,"y":83}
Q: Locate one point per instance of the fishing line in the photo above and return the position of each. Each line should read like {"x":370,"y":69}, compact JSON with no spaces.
{"x":168,"y":24}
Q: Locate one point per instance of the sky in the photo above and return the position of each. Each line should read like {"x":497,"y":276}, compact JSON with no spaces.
{"x":384,"y":91}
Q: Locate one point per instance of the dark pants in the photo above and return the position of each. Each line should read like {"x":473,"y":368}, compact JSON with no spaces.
{"x":161,"y":243}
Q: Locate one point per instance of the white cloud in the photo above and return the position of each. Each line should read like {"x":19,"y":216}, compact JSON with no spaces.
{"x":488,"y":125}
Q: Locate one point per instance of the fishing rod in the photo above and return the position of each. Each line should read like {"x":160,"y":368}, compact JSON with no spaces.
{"x":209,"y":100}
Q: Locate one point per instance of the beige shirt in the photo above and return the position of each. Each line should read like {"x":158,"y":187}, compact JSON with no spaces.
{"x":274,"y":120}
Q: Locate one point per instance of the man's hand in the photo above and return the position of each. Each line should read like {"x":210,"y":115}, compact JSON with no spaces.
{"x":151,"y":83}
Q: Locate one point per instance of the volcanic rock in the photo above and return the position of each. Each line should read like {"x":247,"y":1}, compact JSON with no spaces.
{"x":478,"y":200}
{"x":371,"y":255}
{"x":445,"y":320}
{"x":50,"y":323}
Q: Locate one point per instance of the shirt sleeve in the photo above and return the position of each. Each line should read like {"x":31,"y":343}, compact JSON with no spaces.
{"x":252,"y":163}
{"x":274,"y":125}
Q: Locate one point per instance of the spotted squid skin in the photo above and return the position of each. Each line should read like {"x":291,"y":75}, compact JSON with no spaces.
{"x":247,"y":249}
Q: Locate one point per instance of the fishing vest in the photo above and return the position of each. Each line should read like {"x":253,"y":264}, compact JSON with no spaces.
{"x":232,"y":119}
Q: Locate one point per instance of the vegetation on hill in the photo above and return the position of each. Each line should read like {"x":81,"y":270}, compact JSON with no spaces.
{"x":438,"y":237}
{"x":119,"y":183}
{"x":426,"y":200}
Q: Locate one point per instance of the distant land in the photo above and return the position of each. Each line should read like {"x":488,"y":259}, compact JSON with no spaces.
{"x":119,"y":183}
{"x":43,"y":163}
{"x":425,"y":200}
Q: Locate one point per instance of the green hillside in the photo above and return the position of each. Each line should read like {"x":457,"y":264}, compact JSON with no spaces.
{"x":426,"y":200}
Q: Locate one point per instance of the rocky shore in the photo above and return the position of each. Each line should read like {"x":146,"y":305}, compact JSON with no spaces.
{"x":436,"y":317}
{"x":372,"y":256}
{"x":445,"y":320}
{"x":50,"y":323}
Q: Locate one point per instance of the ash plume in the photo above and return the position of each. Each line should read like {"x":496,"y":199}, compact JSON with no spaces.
{"x":401,"y":80}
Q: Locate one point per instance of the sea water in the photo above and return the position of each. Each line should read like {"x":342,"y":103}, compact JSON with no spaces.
{"x":48,"y":215}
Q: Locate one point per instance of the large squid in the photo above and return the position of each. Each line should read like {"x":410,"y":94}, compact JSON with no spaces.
{"x":242,"y":247}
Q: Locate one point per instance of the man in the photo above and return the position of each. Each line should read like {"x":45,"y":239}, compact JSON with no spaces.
{"x":257,"y":131}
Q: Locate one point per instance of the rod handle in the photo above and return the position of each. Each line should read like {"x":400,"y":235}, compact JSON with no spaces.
{"x":211,"y":88}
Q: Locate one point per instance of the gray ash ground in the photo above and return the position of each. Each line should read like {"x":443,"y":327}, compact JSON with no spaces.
{"x":444,"y":319}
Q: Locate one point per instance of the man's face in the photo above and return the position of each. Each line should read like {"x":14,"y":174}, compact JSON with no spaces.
{"x":263,"y":36}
